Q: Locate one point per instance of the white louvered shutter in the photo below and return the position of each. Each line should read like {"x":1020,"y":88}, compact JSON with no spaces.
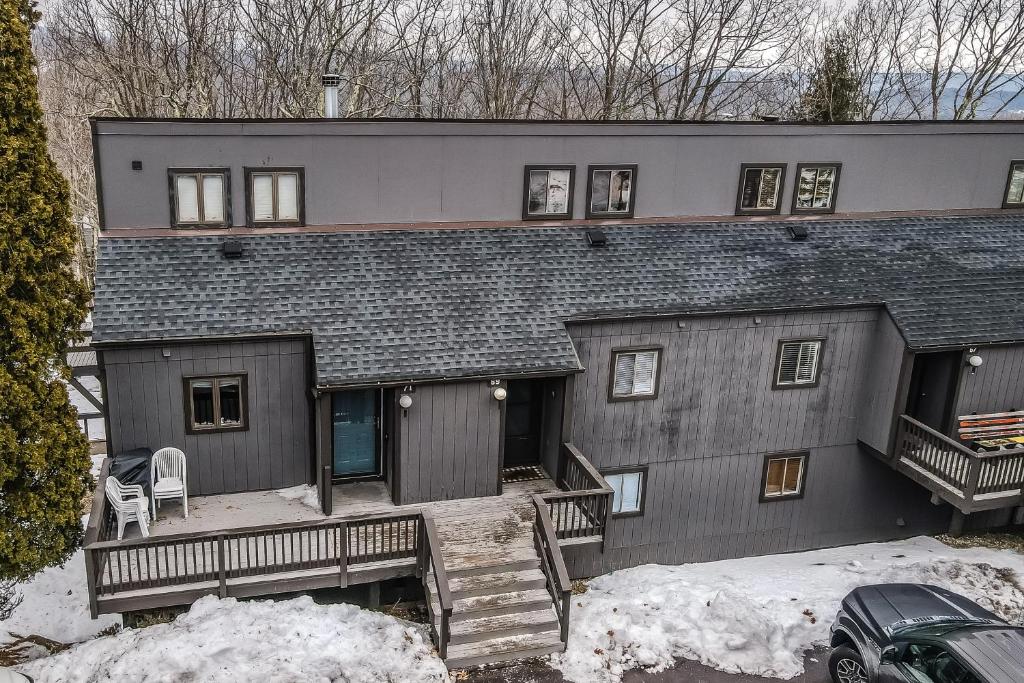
{"x":263,"y":197}
{"x":213,"y":199}
{"x":808,"y":365}
{"x":624,"y":369}
{"x":187,"y":193}
{"x":287,"y":197}
{"x":644,"y":371}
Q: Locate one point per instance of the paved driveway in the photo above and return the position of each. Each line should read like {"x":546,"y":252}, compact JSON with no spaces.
{"x":685,"y":671}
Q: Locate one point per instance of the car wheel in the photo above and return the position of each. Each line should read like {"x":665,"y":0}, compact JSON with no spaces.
{"x":846,"y":666}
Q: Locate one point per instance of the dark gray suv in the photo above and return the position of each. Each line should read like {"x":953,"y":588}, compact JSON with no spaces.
{"x":908,"y":633}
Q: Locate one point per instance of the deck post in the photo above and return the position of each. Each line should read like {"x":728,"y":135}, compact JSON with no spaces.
{"x":90,"y":579}
{"x":221,"y":570}
{"x":973,"y":475}
{"x":956,"y":524}
{"x":343,"y":554}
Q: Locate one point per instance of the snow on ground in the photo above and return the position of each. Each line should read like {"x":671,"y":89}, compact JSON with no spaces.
{"x":55,"y":605}
{"x":303,"y":493}
{"x":758,"y":615}
{"x":227,"y":640}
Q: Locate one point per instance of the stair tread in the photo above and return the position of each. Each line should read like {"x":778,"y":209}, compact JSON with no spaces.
{"x":507,"y":599}
{"x":469,"y":559}
{"x":506,"y":645}
{"x":497,"y":580}
{"x":507,"y":621}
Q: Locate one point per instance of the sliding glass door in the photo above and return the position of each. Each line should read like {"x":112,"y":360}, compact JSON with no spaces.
{"x":355,"y":417}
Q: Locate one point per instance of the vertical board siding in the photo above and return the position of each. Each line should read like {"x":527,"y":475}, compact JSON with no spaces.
{"x":449,"y":445}
{"x":882,"y":377}
{"x":704,"y":438}
{"x":147,"y":409}
{"x":997,"y":386}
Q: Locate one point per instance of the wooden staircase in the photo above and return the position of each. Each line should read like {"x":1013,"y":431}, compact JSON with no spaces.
{"x":499,"y":590}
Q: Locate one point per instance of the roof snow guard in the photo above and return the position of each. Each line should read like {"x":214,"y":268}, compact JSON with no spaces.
{"x":426,"y":304}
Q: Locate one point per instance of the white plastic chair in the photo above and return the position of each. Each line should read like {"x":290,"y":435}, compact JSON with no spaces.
{"x":167,"y":474}
{"x":130,"y":504}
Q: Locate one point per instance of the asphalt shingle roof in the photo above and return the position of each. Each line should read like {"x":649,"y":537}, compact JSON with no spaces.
{"x":416,"y":304}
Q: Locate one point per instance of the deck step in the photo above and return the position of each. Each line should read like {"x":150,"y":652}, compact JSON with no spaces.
{"x":476,"y":585}
{"x":507,"y":625}
{"x":503,"y":649}
{"x":460,"y":565}
{"x":496,"y":605}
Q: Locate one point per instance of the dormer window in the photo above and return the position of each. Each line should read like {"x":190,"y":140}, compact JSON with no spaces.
{"x":1014,"y":198}
{"x":200,"y":197}
{"x":275,"y":196}
{"x":760,"y":189}
{"x":611,"y":191}
{"x":816,"y":187}
{"x":548,"y":192}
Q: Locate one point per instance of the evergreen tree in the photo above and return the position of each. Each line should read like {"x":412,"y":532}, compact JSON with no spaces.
{"x":833,"y":93}
{"x":44,"y":457}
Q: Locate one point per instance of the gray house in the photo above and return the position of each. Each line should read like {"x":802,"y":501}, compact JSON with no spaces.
{"x":508,"y":354}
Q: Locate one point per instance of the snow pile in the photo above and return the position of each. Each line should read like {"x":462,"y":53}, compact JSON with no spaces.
{"x":227,"y":640}
{"x":758,"y":615}
{"x":303,"y":493}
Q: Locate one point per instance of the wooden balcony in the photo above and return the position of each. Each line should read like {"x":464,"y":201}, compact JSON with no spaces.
{"x":968,"y":480}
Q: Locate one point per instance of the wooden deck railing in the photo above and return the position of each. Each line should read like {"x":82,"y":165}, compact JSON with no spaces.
{"x":582,"y":508}
{"x":949,"y":464}
{"x":552,"y":564}
{"x":431,"y":559}
{"x":207,"y":561}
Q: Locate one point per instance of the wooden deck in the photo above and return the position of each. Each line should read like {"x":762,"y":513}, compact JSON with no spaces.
{"x":261,"y":543}
{"x":968,"y":480}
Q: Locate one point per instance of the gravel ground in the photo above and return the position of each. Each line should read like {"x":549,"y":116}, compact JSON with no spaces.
{"x":685,"y":671}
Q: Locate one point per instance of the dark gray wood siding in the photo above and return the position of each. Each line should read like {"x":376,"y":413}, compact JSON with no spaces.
{"x":995,"y":387}
{"x":449,"y":443}
{"x":147,"y":409}
{"x":704,"y":438}
{"x":878,"y":403}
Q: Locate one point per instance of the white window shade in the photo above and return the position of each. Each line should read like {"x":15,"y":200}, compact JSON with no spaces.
{"x":628,"y":491}
{"x":213,"y":199}
{"x":262,"y":197}
{"x":287,"y":197}
{"x":187,"y":198}
{"x":635,"y":373}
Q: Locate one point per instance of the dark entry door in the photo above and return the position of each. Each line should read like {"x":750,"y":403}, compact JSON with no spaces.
{"x":356,"y":425}
{"x":523,"y":423}
{"x":933,"y":387}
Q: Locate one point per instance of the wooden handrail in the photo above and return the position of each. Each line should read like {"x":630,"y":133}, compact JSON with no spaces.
{"x":444,"y":596}
{"x":956,"y":445}
{"x":227,"y":533}
{"x":575,"y":455}
{"x":557,"y":578}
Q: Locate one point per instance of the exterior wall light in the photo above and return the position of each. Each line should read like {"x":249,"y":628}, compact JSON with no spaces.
{"x":975,"y":361}
{"x":405,"y":400}
{"x":499,"y":393}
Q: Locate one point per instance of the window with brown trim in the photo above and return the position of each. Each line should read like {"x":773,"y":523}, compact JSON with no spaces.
{"x":1014,"y":197}
{"x":628,"y":484}
{"x":816,"y":187}
{"x":635,"y":373}
{"x":548,"y":192}
{"x":611,"y":190}
{"x":761,"y":188}
{"x":783,"y":476}
{"x":216,"y":403}
{"x":200,"y":197}
{"x":275,"y":196}
{"x":798,"y":363}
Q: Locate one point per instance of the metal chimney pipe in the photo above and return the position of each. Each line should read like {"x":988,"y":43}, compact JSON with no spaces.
{"x":330,"y":83}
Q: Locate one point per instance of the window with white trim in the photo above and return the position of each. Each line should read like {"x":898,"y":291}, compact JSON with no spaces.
{"x":629,"y":491}
{"x":636,"y":373}
{"x":799,"y":363}
{"x":783,"y":476}
{"x":1015,"y":186}
{"x":760,"y":188}
{"x":275,"y":196}
{"x":199,"y":197}
{"x":816,"y":188}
